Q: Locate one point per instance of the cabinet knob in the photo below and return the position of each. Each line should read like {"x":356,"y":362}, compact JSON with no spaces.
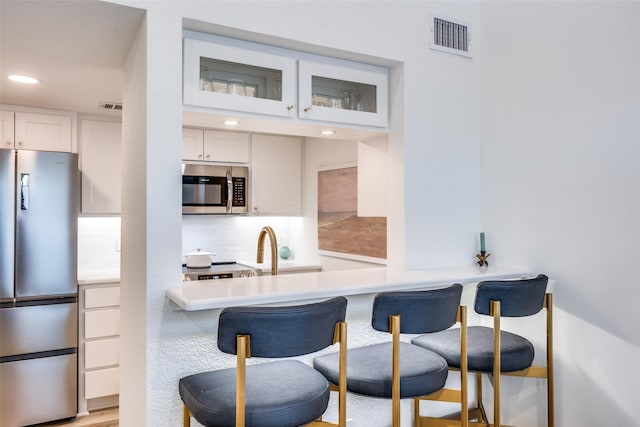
{"x":307,"y":109}
{"x":291,"y":107}
{"x":199,"y":156}
{"x":208,"y":155}
{"x":20,"y":144}
{"x":9,"y":143}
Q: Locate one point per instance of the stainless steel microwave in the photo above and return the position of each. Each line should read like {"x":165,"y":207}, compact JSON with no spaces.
{"x":209,"y":189}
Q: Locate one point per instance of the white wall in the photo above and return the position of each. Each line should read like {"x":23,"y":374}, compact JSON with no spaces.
{"x":433,"y":144}
{"x":561,"y":141}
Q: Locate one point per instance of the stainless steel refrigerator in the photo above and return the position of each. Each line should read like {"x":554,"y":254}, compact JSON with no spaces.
{"x":38,"y":286}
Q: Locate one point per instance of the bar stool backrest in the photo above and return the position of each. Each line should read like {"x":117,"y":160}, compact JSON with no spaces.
{"x":281,"y":331}
{"x":421,"y":312}
{"x":518,"y":298}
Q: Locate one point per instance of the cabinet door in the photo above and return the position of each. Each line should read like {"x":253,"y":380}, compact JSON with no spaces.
{"x":42,"y":132}
{"x":372,"y":177}
{"x":228,"y":147}
{"x":351,"y":93}
{"x":100,"y":162}
{"x":276,"y":175}
{"x":228,"y":76}
{"x":6,"y":127}
{"x":192,"y":140}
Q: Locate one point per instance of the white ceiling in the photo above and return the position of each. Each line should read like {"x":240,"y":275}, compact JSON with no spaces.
{"x":75,"y":48}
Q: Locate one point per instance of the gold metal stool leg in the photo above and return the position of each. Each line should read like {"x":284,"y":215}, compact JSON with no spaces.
{"x":186,"y":416}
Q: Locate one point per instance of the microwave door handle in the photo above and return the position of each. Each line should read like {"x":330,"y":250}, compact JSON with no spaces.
{"x":229,"y":191}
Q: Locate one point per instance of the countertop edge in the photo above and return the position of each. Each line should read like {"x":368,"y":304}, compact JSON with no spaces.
{"x":201,"y":296}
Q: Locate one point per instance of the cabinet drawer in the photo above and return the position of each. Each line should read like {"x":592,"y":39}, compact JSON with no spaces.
{"x":98,"y":354}
{"x":102,"y":323}
{"x":105,"y":382}
{"x":101,"y":297}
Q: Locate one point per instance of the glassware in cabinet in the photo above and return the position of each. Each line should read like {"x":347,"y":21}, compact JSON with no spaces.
{"x":234,"y":78}
{"x":351,"y":93}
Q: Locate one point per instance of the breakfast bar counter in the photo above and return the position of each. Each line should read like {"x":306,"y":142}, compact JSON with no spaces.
{"x":215,"y":294}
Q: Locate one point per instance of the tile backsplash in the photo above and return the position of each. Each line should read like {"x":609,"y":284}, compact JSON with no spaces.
{"x":236,"y":237}
{"x":229,"y":237}
{"x":98,"y":244}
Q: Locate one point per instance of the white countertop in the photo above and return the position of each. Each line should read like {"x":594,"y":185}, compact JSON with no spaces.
{"x":92,"y":277}
{"x":208,"y":294}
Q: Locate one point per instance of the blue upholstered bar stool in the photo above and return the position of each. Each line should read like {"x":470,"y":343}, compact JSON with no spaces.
{"x":501,"y":298}
{"x":397,"y":369}
{"x":282,"y":393}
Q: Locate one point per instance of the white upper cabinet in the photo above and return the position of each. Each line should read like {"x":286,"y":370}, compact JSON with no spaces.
{"x":100,"y":163}
{"x":347,"y":93}
{"x":6,"y":127}
{"x":232,"y":75}
{"x":215,"y":146}
{"x":192,"y":144}
{"x":228,"y":147}
{"x":35,"y":131}
{"x":373,"y":177}
{"x":233,"y":78}
{"x":276,"y":175}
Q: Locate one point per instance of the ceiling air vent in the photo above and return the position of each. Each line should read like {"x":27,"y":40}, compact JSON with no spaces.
{"x":111,"y":106}
{"x":449,"y":36}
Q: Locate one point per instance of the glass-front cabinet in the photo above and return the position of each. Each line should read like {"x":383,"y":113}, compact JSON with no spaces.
{"x":229,"y":74}
{"x":353,"y":93}
{"x":233,"y":78}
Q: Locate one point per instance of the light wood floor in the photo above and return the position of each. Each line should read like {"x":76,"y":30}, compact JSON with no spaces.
{"x":102,"y":418}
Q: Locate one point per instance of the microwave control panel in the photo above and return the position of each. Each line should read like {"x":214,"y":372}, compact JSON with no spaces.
{"x":239,"y":191}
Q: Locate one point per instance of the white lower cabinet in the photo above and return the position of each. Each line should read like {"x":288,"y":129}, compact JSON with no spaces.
{"x":99,"y":350}
{"x":276,"y":175}
{"x":103,"y":382}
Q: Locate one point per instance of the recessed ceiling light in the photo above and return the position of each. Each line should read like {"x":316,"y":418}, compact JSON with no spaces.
{"x":231,"y":122}
{"x":23,"y":79}
{"x":328,"y":132}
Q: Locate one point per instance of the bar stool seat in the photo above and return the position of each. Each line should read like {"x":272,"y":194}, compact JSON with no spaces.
{"x":281,"y":393}
{"x":516,"y":352}
{"x":369,"y":370}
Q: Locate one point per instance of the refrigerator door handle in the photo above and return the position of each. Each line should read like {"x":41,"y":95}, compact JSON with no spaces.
{"x":24,"y":191}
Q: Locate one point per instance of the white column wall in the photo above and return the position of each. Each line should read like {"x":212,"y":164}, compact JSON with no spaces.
{"x":133,"y":262}
{"x":561,"y":141}
{"x":151,"y":214}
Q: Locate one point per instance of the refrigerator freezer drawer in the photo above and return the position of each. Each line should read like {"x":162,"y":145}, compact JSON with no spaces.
{"x":36,"y":328}
{"x":38,"y":390}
